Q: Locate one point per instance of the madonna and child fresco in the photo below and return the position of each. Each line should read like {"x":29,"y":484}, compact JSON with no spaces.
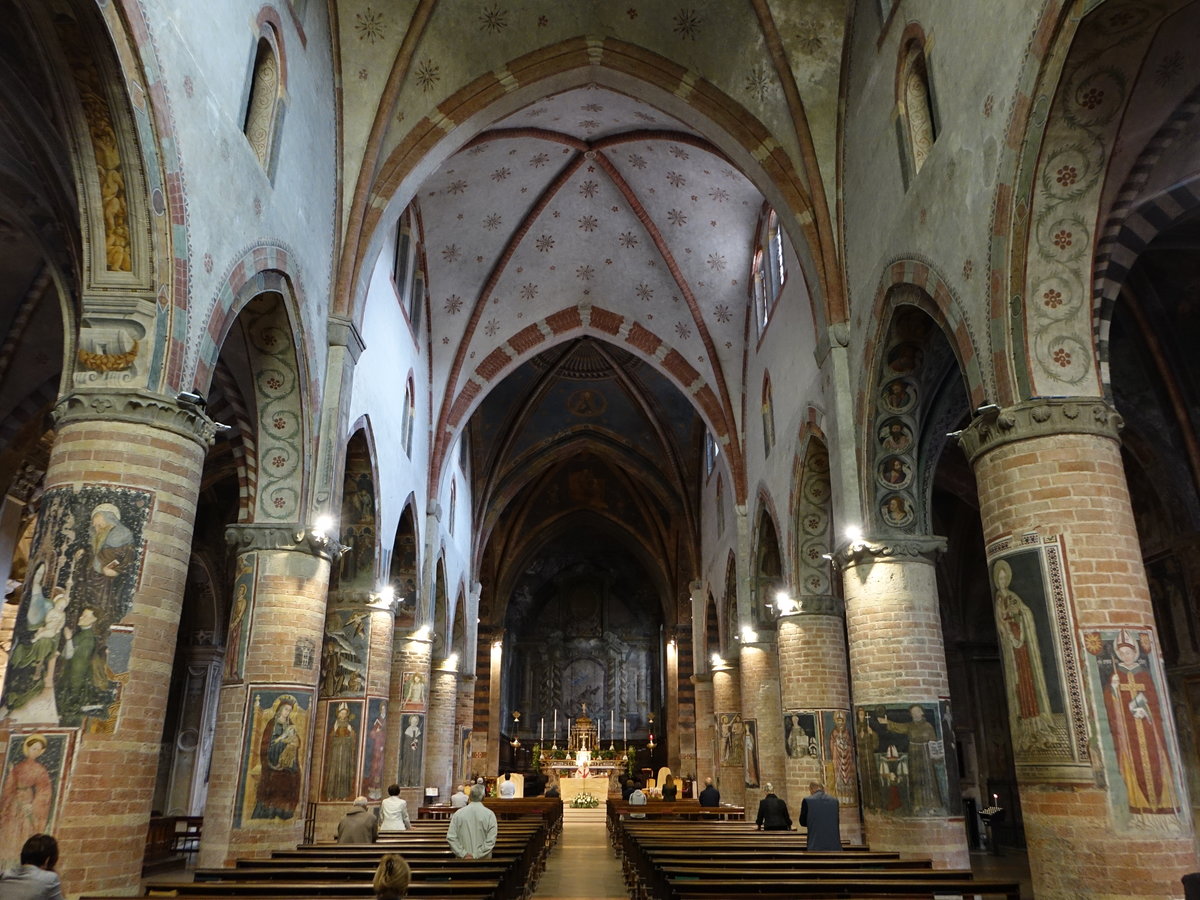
{"x":69,"y":654}
{"x":277,"y":729}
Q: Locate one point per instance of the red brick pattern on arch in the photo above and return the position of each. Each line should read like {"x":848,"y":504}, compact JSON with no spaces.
{"x":493,"y":364}
{"x":607,"y":321}
{"x":680,"y":368}
{"x":526,"y":339}
{"x":565,"y":320}
{"x":463,"y":402}
{"x":645,"y":340}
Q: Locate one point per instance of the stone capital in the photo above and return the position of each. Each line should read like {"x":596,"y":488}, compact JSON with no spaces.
{"x":995,"y":427}
{"x":914,"y":548}
{"x":137,"y":407}
{"x":817,"y":605}
{"x":701,"y":678}
{"x":287,"y":538}
{"x":344,"y":333}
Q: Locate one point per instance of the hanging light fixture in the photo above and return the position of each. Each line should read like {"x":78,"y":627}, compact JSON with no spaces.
{"x":516,"y":741}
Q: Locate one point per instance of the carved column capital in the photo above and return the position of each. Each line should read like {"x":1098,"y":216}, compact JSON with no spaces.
{"x":137,"y":407}
{"x":995,"y":427}
{"x":916,"y":548}
{"x":817,"y":605}
{"x":291,"y":538}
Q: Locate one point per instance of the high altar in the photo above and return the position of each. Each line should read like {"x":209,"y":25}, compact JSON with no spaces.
{"x":583,"y":775}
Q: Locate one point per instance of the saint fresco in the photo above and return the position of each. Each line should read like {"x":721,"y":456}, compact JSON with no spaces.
{"x":373,"y":746}
{"x":342,"y":732}
{"x":344,"y":653}
{"x":64,"y":668}
{"x":276,"y":745}
{"x":31,"y":788}
{"x":902,"y":760}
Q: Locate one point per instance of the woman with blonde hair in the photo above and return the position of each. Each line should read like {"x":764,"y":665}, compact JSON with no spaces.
{"x":391,"y":878}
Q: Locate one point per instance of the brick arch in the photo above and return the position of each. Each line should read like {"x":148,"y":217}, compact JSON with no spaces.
{"x":574,"y":321}
{"x":812,"y":514}
{"x":1135,"y":221}
{"x":283,"y":435}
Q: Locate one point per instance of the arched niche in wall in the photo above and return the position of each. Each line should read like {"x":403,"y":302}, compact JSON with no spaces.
{"x":404,"y":572}
{"x":355,"y":569}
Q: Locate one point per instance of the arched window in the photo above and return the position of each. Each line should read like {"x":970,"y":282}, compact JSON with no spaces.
{"x":915,"y":100}
{"x":406,"y":424}
{"x":453,"y":502}
{"x":408,"y":269}
{"x":768,"y":416}
{"x":768,"y":272}
{"x":711,"y":451}
{"x":720,"y":507}
{"x":262,"y":109}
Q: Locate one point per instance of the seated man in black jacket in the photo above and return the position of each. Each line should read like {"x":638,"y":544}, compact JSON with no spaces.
{"x":710,"y":796}
{"x":773,"y":812}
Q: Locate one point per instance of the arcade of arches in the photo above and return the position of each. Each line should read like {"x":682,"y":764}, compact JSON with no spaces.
{"x":803,"y":387}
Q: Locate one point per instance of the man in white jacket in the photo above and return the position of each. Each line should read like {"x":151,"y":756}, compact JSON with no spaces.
{"x":393,"y":812}
{"x":472,"y":833}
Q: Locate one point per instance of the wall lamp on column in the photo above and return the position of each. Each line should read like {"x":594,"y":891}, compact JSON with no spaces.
{"x":749,"y":635}
{"x":717,"y":662}
{"x":785,"y":604}
{"x":385,"y":599}
{"x":423,"y":633}
{"x":318,"y":535}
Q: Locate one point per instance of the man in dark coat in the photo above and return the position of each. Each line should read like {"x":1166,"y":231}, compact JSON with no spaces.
{"x":819,"y":814}
{"x":358,"y":826}
{"x":710,"y":796}
{"x":773,"y":812}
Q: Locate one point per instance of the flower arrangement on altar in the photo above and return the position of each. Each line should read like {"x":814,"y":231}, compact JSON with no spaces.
{"x":584,"y":800}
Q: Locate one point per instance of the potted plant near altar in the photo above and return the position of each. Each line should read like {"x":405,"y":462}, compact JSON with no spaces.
{"x":536,"y":753}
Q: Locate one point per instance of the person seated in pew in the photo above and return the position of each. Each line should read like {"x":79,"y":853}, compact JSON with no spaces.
{"x":627,"y":788}
{"x":670,"y":791}
{"x":391,"y":878}
{"x":772,"y":812}
{"x":359,"y":825}
{"x":472,"y":832}
{"x":637,"y":798}
{"x":508,"y":787}
{"x":710,"y":796}
{"x":34,"y":878}
{"x":459,"y":798}
{"x":552,"y":790}
{"x":819,"y":813}
{"x":393,"y":812}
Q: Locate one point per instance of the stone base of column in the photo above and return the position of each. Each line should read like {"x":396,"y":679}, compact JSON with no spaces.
{"x":944,"y":840}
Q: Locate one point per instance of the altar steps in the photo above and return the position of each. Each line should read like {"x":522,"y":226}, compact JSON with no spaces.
{"x":583,"y":816}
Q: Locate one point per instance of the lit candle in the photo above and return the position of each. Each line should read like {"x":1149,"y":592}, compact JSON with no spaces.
{"x":612,"y":724}
{"x":556,"y":724}
{"x":543,"y":738}
{"x":625,"y":729}
{"x":995,"y":799}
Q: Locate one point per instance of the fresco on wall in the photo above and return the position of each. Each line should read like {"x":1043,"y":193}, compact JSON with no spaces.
{"x":800,"y":733}
{"x":344,"y":653}
{"x":355,"y":569}
{"x":343,"y":724}
{"x":905,"y":772}
{"x":464,"y":744}
{"x":750,"y":753}
{"x":372,"y":780}
{"x":31,"y":789}
{"x":412,"y":745}
{"x":414,"y":692}
{"x":839,"y":763}
{"x":276,"y":744}
{"x":64,"y":667}
{"x":1136,"y":734}
{"x":241,"y":617}
{"x":730,"y":738}
{"x":1034,"y":624}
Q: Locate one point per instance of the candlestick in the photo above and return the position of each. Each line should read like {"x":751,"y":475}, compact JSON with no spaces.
{"x":542,"y":739}
{"x":625,"y":729}
{"x":612,"y":727}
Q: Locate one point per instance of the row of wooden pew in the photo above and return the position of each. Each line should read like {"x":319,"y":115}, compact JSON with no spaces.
{"x":702,"y":860}
{"x":347,"y":870}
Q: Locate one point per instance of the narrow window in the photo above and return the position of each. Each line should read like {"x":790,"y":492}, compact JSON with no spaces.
{"x":768,"y":416}
{"x":263,"y":107}
{"x":720,"y":507}
{"x":775,"y":264}
{"x":453,"y":502}
{"x":916,"y":104}
{"x":406,"y":423}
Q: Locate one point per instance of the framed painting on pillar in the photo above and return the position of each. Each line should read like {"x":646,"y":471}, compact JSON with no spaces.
{"x":372,"y":778}
{"x":344,"y":653}
{"x":414,"y":694}
{"x":1136,"y":734}
{"x":464,"y":743}
{"x":906,"y":759}
{"x":412,"y":747}
{"x":241,"y":617}
{"x":31,"y":788}
{"x":750,"y":755}
{"x":66,"y":668}
{"x":730,"y":739}
{"x":1035,"y":631}
{"x":343,"y":732}
{"x":276,"y":745}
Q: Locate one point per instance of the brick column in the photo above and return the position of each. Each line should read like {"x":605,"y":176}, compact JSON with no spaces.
{"x":362,"y":682}
{"x":705,"y":764}
{"x":123,"y":473}
{"x":814,"y":679}
{"x":409,"y":700}
{"x":439,"y":756}
{"x":464,"y":714}
{"x":760,"y":702}
{"x":898,"y":669}
{"x":727,"y":702}
{"x":1112,"y":813}
{"x":262,"y":751}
